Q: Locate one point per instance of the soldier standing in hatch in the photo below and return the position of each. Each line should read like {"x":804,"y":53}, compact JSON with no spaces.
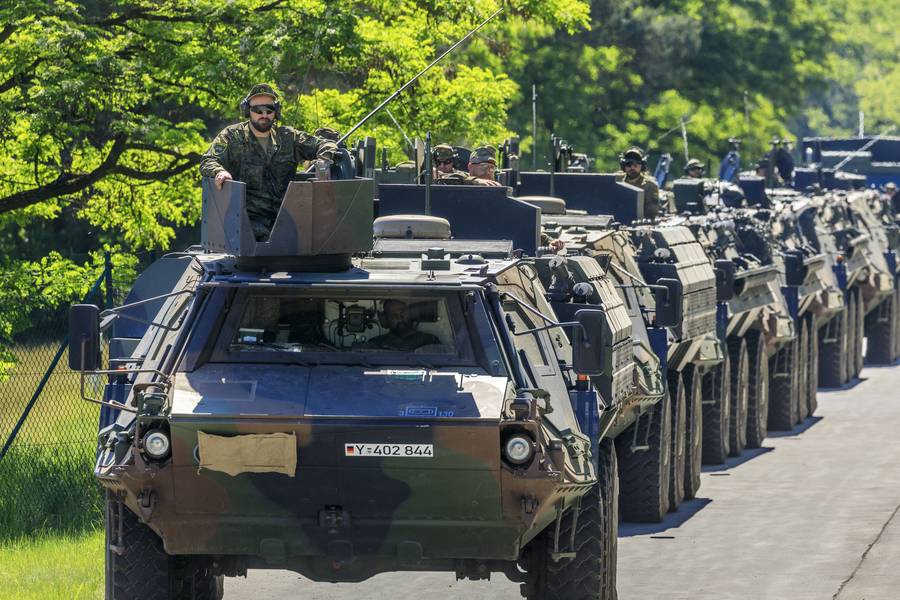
{"x":694,"y":169}
{"x":263,"y":155}
{"x":634,"y":167}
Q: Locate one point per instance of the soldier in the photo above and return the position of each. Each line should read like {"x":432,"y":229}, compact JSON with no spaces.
{"x":442,"y":156}
{"x":694,"y":169}
{"x":402,"y":333}
{"x":762,"y":168}
{"x":483,"y":165}
{"x":634,"y":167}
{"x":262,"y":155}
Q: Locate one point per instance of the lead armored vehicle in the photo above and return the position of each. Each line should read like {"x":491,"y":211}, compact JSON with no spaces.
{"x":300,"y":403}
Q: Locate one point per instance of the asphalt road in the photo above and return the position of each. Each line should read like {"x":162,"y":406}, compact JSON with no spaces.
{"x":811,"y":515}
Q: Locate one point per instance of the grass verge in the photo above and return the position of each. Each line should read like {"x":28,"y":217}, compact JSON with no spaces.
{"x":66,"y":567}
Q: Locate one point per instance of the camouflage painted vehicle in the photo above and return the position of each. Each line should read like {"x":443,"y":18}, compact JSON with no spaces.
{"x":754,"y":320}
{"x":634,"y":381}
{"x":286,"y":404}
{"x":641,"y":259}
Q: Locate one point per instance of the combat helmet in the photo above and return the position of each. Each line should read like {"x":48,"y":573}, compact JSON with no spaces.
{"x":633,"y":153}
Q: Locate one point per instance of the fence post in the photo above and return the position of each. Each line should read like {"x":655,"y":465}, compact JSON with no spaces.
{"x":108,"y":280}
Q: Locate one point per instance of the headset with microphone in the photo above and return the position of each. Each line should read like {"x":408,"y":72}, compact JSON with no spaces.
{"x":260,"y":90}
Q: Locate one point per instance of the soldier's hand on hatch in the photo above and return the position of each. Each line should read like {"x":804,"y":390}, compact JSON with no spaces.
{"x":221,"y":177}
{"x":557,"y":245}
{"x":490,"y":183}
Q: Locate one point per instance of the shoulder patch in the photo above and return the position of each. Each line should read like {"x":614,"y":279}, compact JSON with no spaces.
{"x":218,"y":148}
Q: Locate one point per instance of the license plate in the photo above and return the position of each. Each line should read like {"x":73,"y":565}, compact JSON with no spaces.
{"x":390,"y":450}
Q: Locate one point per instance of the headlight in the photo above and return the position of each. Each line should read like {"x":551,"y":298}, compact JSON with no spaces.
{"x":519,"y":449}
{"x":156,"y":444}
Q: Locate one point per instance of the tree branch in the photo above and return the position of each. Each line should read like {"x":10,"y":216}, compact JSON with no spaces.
{"x":192,"y":160}
{"x":7,"y":31}
{"x":68,"y":183}
{"x":21,"y":77}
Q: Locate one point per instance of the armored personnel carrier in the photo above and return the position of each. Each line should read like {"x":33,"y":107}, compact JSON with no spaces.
{"x":303,"y":403}
{"x":678,"y":324}
{"x":639,"y":422}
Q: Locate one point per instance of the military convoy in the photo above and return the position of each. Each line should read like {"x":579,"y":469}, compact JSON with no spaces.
{"x":404,"y":377}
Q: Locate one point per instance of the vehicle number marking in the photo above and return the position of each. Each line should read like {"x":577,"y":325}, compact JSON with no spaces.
{"x":390,"y":450}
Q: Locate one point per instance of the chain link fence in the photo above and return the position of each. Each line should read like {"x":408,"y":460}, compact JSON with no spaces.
{"x":47,"y":432}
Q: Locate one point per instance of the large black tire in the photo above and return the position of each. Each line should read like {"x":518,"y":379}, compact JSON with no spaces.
{"x":881,"y":331}
{"x":678,"y":399}
{"x":858,"y":357}
{"x":717,"y":413}
{"x":783,"y":390}
{"x":833,"y":362}
{"x":758,"y":386}
{"x":644,"y":475}
{"x":589,"y":575}
{"x":143,"y":570}
{"x":609,"y":489}
{"x":896,"y":353}
{"x":740,"y":394}
{"x":803,"y":372}
{"x":693,"y":441}
{"x":812,"y":378}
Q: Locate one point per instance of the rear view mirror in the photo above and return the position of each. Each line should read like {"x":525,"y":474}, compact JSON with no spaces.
{"x":588,"y":342}
{"x":724,"y":270}
{"x":669,"y":296}
{"x":84,"y":337}
{"x":794,"y":269}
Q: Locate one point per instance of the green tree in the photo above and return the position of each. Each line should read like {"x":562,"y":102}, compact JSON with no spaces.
{"x":107,"y":105}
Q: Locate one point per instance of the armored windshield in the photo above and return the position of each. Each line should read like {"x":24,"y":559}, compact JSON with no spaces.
{"x":301,"y":322}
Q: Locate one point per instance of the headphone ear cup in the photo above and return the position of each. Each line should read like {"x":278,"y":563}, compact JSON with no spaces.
{"x":245,"y":108}
{"x":277,"y":110}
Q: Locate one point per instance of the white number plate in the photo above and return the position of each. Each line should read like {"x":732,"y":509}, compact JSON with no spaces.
{"x":390,"y":450}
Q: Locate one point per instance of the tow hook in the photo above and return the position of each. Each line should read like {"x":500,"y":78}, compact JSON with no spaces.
{"x":146,"y":502}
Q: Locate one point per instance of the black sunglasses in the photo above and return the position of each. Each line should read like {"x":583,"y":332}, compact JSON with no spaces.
{"x":444,"y":161}
{"x":631,"y":163}
{"x":263,"y":109}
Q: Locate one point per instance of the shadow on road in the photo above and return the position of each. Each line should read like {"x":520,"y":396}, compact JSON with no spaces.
{"x":735,"y":461}
{"x":882,"y":366}
{"x":673,"y":520}
{"x":798,"y":429}
{"x":847,"y":386}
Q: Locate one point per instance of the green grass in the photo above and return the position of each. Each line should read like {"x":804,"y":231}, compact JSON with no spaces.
{"x":53,"y":567}
{"x":46,"y":479}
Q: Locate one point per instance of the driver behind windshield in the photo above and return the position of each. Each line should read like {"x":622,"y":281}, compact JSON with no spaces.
{"x":402,"y":331}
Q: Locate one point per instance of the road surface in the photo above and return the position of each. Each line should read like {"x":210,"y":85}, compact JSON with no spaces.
{"x":811,"y":515}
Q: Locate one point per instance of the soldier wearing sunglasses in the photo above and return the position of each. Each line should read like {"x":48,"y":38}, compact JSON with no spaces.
{"x":634,"y":172}
{"x":263,"y":155}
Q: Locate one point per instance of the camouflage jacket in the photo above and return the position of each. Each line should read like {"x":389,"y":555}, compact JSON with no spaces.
{"x":266,"y":172}
{"x":652,"y":206}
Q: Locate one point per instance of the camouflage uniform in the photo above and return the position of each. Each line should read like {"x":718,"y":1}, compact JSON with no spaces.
{"x":652,"y":206}
{"x":266,"y":170}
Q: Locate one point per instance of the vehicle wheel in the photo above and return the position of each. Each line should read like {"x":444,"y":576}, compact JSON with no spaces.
{"x":896,"y":353}
{"x":849,"y":358}
{"x":717,"y":416}
{"x":644,"y":474}
{"x":833,"y":351}
{"x":678,"y":400}
{"x":783,"y":388}
{"x":812,"y":378}
{"x":881,"y":331}
{"x":693,"y":442}
{"x":609,"y":490}
{"x":589,"y":575}
{"x":740,"y":394}
{"x":143,"y":570}
{"x":758,"y":386}
{"x":803,"y":372}
{"x":858,"y":356}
